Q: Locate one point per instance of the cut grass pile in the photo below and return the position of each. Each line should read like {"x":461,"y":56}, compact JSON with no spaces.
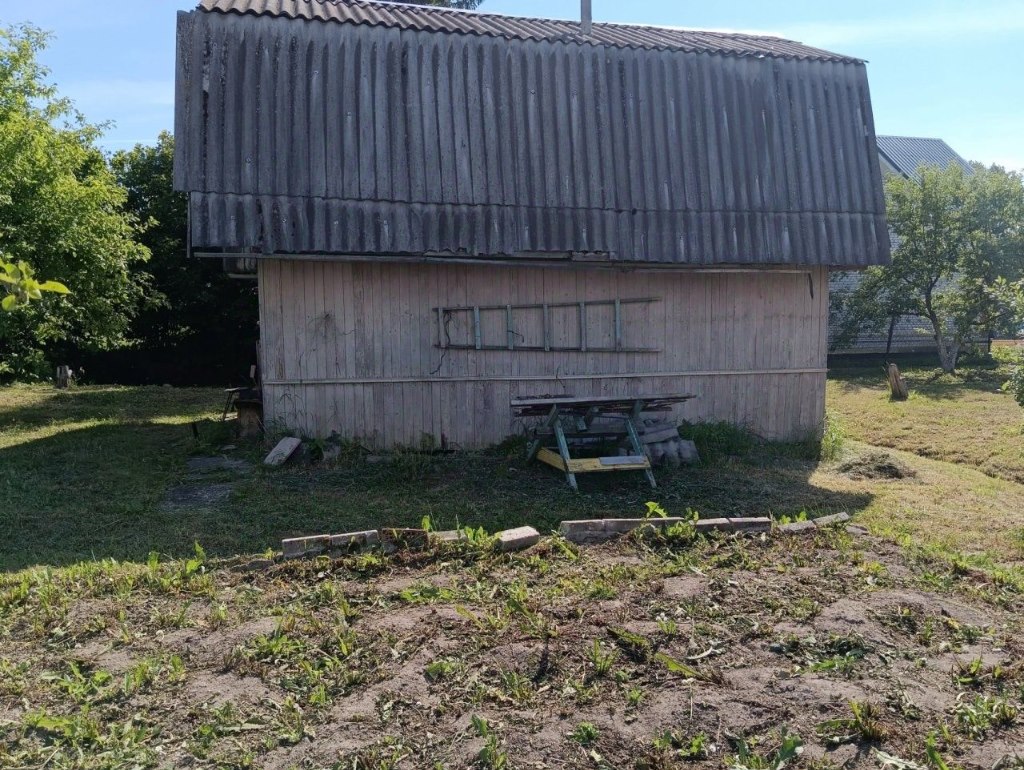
{"x":697,"y":652}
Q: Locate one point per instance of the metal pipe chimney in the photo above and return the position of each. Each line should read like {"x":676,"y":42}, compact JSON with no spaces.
{"x":586,"y":17}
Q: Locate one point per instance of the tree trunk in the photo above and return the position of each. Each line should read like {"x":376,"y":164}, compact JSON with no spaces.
{"x":948,"y":350}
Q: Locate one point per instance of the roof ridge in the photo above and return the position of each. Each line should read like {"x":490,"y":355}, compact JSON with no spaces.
{"x":502,"y":25}
{"x":443,"y":10}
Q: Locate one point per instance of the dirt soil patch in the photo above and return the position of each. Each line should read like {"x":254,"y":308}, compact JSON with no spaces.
{"x":628,"y":655}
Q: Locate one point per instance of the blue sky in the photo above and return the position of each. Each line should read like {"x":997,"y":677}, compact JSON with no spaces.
{"x":950,"y":69}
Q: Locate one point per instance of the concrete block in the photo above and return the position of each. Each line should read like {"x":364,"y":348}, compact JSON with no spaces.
{"x":584,"y":531}
{"x":688,"y":452}
{"x":857,"y":529}
{"x":448,"y":535}
{"x":352,"y":540}
{"x":835,"y":518}
{"x":516,"y":539}
{"x":752,"y":525}
{"x":285,"y":449}
{"x":654,"y":435}
{"x":709,"y":525}
{"x":797,"y":528}
{"x":297,"y":547}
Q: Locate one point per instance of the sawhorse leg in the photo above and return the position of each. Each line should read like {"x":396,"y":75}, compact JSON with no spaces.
{"x":563,"y":449}
{"x":638,"y":447}
{"x":534,"y":446}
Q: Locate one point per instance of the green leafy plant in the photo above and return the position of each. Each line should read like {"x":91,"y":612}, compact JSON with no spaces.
{"x":18,"y":281}
{"x":864,"y":725}
{"x":790,"y":747}
{"x":601,"y":661}
{"x":584,"y":734}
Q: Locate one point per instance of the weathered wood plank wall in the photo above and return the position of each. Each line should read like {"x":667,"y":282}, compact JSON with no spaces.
{"x":353,"y":347}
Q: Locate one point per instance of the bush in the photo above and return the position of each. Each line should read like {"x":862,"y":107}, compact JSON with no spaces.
{"x":1014,"y":358}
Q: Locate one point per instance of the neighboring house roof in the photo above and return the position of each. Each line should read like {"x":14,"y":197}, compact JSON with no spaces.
{"x":402,"y":130}
{"x":906,"y":154}
{"x":434,"y":19}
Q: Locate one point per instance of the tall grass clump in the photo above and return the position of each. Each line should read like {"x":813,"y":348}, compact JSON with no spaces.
{"x":716,"y":440}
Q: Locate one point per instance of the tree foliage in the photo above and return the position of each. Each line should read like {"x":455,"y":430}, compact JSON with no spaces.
{"x":19,"y":285}
{"x":192,"y":306}
{"x":958,"y":261}
{"x":61,"y":211}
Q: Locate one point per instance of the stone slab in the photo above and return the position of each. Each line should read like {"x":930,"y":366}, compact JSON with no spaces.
{"x":708,"y":525}
{"x":751,"y":524}
{"x":297,"y":547}
{"x":285,"y":449}
{"x":829,"y":521}
{"x":797,"y":528}
{"x":351,"y":540}
{"x":516,"y":539}
{"x":449,"y":535}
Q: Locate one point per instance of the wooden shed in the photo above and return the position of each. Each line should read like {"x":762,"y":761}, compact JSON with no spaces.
{"x":447,"y":210}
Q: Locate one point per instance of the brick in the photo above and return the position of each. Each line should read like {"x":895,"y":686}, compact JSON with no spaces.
{"x":797,"y":528}
{"x":516,"y":539}
{"x":623,"y":526}
{"x":835,"y":518}
{"x":753,"y":524}
{"x":297,"y":547}
{"x":856,"y":529}
{"x":285,"y":448}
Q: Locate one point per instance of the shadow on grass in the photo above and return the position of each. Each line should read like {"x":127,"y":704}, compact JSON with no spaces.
{"x":98,"y":492}
{"x":37,"y":406}
{"x":923,"y":377}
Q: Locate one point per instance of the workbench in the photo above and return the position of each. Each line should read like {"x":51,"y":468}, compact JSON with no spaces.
{"x":570,"y":421}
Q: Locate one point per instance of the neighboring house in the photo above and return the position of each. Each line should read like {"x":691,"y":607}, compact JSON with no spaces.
{"x":450,"y":209}
{"x":902,"y":156}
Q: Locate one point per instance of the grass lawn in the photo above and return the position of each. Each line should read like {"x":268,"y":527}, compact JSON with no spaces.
{"x":962,"y":418}
{"x":110,"y":472}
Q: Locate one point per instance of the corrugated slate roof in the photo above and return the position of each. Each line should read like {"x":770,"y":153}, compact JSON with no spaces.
{"x":389,"y":140}
{"x":434,"y":19}
{"x":908,"y":153}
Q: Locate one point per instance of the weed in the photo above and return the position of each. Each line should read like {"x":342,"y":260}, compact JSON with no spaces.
{"x":790,"y":747}
{"x":634,"y":696}
{"x":864,"y":725}
{"x":600,"y":660}
{"x":975,"y":673}
{"x":673,"y":745}
{"x":518,"y":687}
{"x":440,"y":669}
{"x":636,"y":647}
{"x":980,"y":714}
{"x":491,"y":756}
{"x":584,"y":734}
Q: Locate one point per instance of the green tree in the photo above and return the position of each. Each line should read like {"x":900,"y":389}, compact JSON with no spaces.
{"x":19,"y":285}
{"x":61,"y":211}
{"x":960,"y":252}
{"x":192,"y":304}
